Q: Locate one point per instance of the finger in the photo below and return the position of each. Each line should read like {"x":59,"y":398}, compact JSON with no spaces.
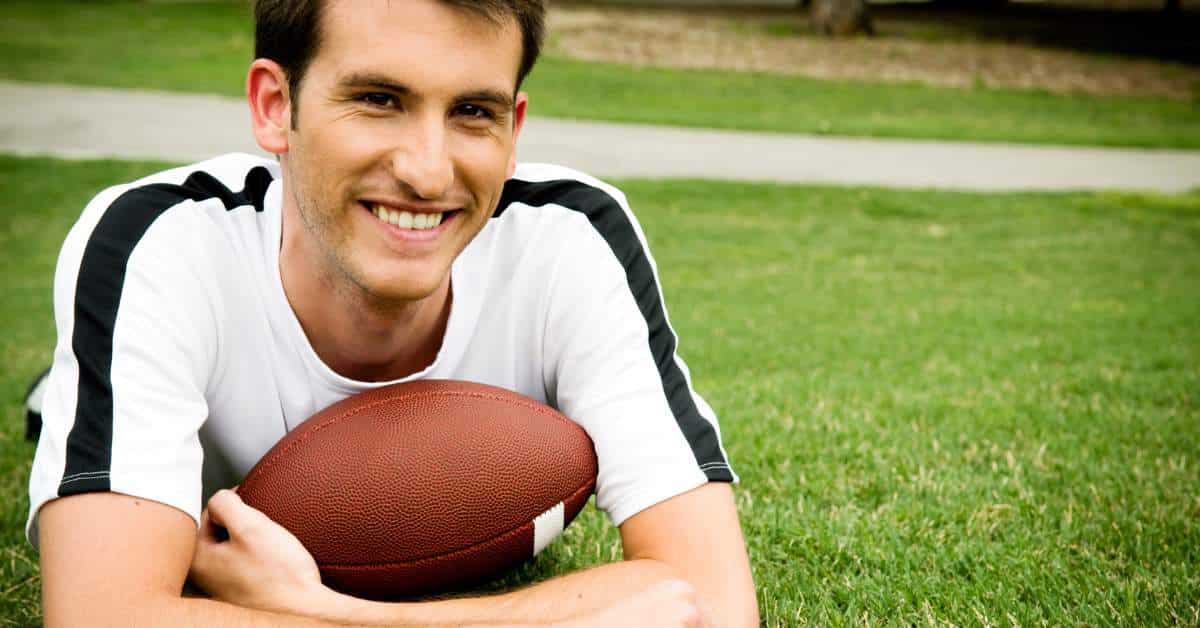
{"x":213,"y":518}
{"x":241,"y":521}
{"x":207,"y":531}
{"x":227,"y":510}
{"x":705,"y":615}
{"x":210,"y":549}
{"x":707,"y":620}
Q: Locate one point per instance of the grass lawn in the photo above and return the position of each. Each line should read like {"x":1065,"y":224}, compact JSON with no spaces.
{"x":945,"y":407}
{"x":204,"y":47}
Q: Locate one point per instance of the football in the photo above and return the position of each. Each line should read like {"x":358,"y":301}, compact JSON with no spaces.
{"x":425,"y":486}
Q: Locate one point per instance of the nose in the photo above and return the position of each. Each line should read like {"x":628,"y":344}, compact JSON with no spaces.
{"x":421,"y":161}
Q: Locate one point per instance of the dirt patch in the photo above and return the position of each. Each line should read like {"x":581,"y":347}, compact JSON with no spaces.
{"x":936,"y":52}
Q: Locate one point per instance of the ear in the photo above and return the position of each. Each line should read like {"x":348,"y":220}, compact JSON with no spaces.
{"x":270,"y":105}
{"x":518,"y":122}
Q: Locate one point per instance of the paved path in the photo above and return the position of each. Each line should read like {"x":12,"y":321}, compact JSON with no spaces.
{"x":79,"y":122}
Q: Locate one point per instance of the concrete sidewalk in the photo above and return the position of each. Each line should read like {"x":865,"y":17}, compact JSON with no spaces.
{"x":77,"y":122}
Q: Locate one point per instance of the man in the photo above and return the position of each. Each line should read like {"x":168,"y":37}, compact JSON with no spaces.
{"x":204,"y":311}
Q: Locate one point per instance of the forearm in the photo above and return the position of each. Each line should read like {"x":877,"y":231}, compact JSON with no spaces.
{"x":559,"y":599}
{"x":166,"y":610}
{"x":337,"y":610}
{"x":207,"y":612}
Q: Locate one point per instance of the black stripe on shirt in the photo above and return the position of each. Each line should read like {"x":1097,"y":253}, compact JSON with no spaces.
{"x":609,"y":219}
{"x":97,"y":297}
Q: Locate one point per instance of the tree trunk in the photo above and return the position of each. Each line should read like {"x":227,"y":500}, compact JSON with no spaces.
{"x":840,"y":18}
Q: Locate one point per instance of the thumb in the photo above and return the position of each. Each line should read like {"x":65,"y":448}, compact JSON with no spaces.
{"x":227,"y":510}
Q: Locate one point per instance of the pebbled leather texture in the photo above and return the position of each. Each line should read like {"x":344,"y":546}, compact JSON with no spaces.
{"x":422,"y":486}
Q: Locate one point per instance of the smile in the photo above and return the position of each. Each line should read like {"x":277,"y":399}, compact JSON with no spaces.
{"x":416,"y":221}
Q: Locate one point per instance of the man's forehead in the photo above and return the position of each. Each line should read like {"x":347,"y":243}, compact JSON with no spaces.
{"x":356,"y":18}
{"x":395,"y":38}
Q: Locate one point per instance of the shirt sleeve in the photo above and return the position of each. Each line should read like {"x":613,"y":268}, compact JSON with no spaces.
{"x":615,"y":368}
{"x":126,"y":393}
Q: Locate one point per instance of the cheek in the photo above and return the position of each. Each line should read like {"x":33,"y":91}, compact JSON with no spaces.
{"x":358,"y":140}
{"x":339,"y":160}
{"x":483,"y":165}
{"x":342,"y":149}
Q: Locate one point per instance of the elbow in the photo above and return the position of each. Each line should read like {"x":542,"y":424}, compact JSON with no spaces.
{"x":739,"y":606}
{"x":735,"y":606}
{"x":750,"y":617}
{"x":741,"y":612}
{"x":749,"y":614}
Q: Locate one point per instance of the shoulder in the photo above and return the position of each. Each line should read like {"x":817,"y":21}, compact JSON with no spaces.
{"x":540,"y":184}
{"x":164,"y":243}
{"x":579,"y":204}
{"x":118,"y":220}
{"x":594,"y":215}
{"x":231,"y":181}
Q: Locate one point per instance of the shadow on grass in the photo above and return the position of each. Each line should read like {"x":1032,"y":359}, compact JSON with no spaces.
{"x":1142,"y":32}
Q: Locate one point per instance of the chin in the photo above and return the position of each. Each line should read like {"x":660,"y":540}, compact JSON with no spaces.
{"x":398,"y":279}
{"x":406,"y":287}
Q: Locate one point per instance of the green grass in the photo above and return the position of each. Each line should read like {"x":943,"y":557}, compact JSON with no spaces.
{"x":202,"y":47}
{"x":945,"y":407}
{"x":761,"y":102}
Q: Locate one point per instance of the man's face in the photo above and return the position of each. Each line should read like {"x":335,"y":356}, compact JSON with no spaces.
{"x":405,"y":133}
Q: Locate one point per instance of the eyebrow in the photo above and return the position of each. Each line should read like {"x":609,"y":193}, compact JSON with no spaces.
{"x":379,"y":81}
{"x":498,"y":98}
{"x":369,"y":79}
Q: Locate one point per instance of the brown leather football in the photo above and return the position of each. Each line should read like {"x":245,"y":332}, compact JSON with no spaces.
{"x":425,"y":486}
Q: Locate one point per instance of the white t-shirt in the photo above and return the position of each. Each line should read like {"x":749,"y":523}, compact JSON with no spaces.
{"x":179,"y":360}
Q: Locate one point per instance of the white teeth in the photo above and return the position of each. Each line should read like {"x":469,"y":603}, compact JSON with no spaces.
{"x":408,"y":220}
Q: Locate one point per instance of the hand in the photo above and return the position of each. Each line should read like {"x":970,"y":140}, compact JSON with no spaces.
{"x":669,"y":604}
{"x":260,"y":565}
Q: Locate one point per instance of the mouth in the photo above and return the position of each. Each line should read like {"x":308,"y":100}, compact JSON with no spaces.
{"x":405,"y":220}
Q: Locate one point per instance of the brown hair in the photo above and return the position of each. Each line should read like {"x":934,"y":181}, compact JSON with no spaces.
{"x":288,"y":32}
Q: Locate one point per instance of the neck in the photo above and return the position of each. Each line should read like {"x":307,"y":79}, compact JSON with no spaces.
{"x":360,"y":337}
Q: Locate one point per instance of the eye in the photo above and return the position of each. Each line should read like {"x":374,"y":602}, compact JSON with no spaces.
{"x":378,"y":99}
{"x":474,"y":112}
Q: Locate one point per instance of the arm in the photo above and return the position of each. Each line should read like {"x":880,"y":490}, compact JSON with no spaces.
{"x":697,"y":534}
{"x":671,"y":571}
{"x":113,"y":560}
{"x":109,"y":559}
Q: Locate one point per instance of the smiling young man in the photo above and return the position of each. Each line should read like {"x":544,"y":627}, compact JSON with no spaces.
{"x":204,"y":311}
